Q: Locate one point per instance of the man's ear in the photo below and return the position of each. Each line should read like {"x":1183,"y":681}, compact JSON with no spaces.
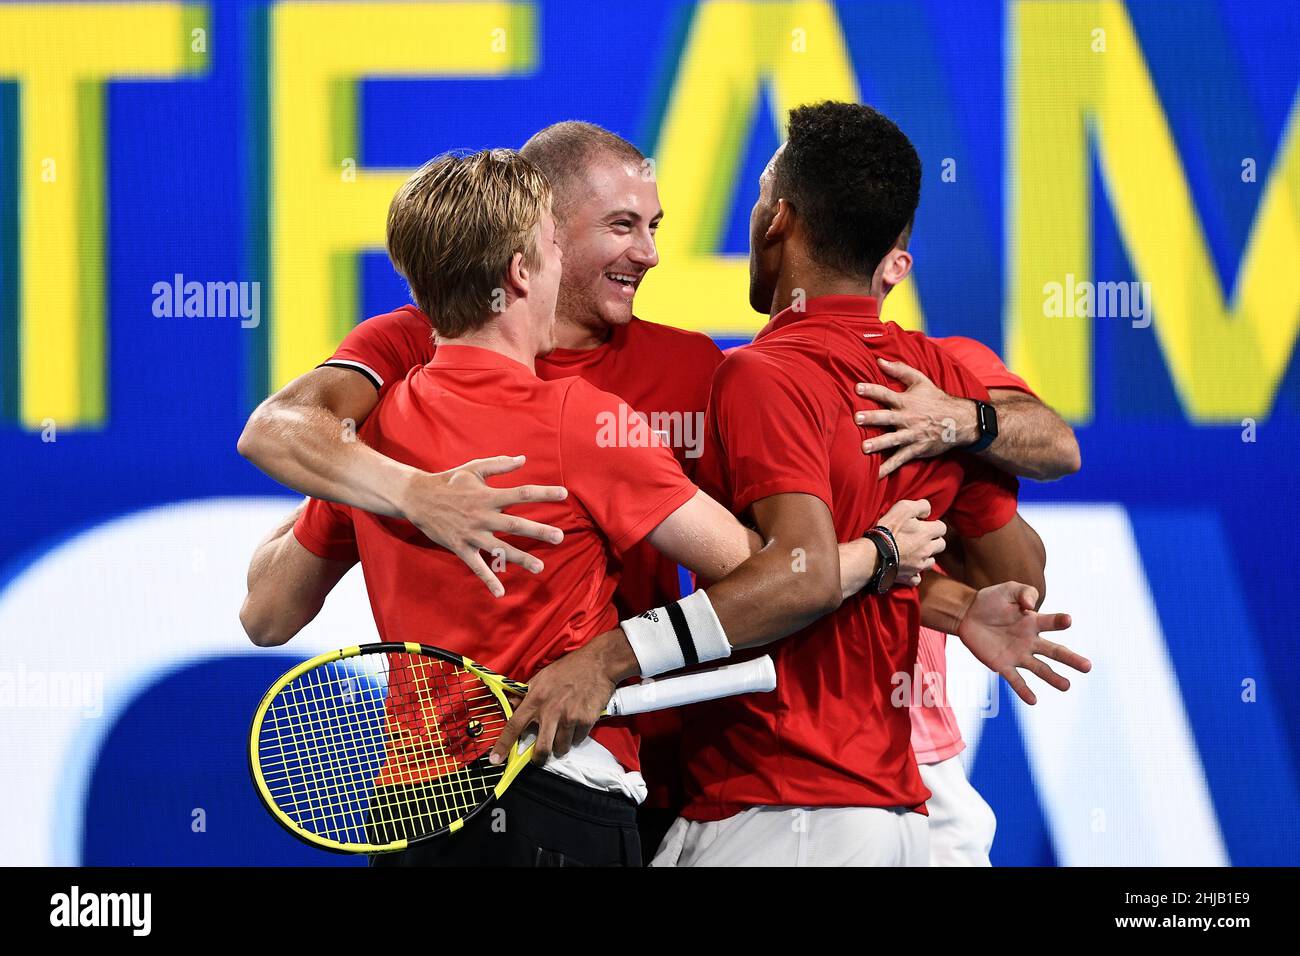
{"x":782,"y":222}
{"x":894,"y":268}
{"x":517,"y":276}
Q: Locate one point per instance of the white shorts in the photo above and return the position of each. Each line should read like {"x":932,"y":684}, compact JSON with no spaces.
{"x":961,"y":823}
{"x":799,"y":836}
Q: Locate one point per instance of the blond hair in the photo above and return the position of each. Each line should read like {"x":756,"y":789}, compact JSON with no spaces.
{"x":454,"y":227}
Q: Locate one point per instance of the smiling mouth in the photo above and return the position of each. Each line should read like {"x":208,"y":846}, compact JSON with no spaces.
{"x":624,"y":280}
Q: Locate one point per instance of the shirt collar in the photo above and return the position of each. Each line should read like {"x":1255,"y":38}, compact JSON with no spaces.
{"x":452,"y":355}
{"x":823,"y":309}
{"x":580,"y":357}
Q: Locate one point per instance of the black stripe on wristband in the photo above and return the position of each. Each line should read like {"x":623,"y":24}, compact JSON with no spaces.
{"x":683,"y":632}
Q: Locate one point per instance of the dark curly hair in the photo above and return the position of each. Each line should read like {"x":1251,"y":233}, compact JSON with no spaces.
{"x":853,"y":179}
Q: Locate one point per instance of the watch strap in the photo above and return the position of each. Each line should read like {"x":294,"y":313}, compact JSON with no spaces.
{"x":986,"y":417}
{"x":887,"y":547}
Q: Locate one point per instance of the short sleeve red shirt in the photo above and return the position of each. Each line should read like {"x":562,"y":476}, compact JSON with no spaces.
{"x":983,"y":362}
{"x":661,"y":373}
{"x":780,"y":421}
{"x":385,"y":347}
{"x":469,"y":403}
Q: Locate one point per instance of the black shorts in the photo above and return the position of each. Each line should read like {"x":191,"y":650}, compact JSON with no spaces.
{"x":543,"y":820}
{"x":652,"y":825}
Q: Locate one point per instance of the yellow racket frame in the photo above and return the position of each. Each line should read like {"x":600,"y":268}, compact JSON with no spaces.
{"x":499,"y":685}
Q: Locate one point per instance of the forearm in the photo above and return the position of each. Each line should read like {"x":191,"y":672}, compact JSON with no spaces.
{"x":944,"y":601}
{"x":1033,"y":441}
{"x":858,"y":560}
{"x":1012,"y":553}
{"x":264,"y":555}
{"x":315,"y":453}
{"x":765,"y":589}
{"x":771,"y":595}
{"x":269,"y":615}
{"x":718,"y":551}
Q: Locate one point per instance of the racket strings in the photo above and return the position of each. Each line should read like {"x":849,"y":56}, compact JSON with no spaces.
{"x":459,"y":719}
{"x":382,"y":747}
{"x":327,"y":744}
{"x":315,"y":719}
{"x":452,"y":709}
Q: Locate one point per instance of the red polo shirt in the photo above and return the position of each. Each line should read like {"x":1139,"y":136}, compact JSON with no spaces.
{"x":983,"y":362}
{"x":781,"y":421}
{"x":662,"y":373}
{"x":470,"y":403}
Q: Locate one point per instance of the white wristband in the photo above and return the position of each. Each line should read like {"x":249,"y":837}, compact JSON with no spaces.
{"x":677,"y":635}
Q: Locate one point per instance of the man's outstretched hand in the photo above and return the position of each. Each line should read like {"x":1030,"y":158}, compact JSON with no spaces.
{"x":459,"y":511}
{"x":1002,"y":629}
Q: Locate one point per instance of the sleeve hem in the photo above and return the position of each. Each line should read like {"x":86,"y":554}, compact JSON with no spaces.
{"x":360,"y":368}
{"x":781,"y":486}
{"x":321,"y":548}
{"x":1010,"y":383}
{"x":654,"y":517}
{"x":997,"y":518}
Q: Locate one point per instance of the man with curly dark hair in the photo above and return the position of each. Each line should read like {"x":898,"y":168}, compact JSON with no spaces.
{"x":854,"y":180}
{"x":822,"y":771}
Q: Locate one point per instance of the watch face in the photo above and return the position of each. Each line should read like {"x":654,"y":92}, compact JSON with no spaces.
{"x":988,"y":420}
{"x":887,"y":579}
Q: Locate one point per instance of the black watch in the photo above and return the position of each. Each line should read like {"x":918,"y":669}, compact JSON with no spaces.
{"x":986,"y":416}
{"x":887,"y":566}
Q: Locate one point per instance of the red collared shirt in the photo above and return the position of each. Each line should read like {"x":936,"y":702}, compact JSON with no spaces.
{"x":472,"y":403}
{"x":836,"y":732}
{"x":660,"y":372}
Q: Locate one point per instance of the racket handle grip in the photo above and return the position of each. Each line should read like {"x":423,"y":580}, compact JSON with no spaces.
{"x":758,"y":675}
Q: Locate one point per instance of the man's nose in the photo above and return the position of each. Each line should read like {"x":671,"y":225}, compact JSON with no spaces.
{"x":644,"y":253}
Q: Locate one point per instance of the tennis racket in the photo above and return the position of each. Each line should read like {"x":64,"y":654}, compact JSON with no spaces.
{"x":375,"y":748}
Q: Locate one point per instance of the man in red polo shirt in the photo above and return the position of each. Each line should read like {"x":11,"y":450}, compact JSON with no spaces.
{"x":607,"y":213}
{"x":822,"y":771}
